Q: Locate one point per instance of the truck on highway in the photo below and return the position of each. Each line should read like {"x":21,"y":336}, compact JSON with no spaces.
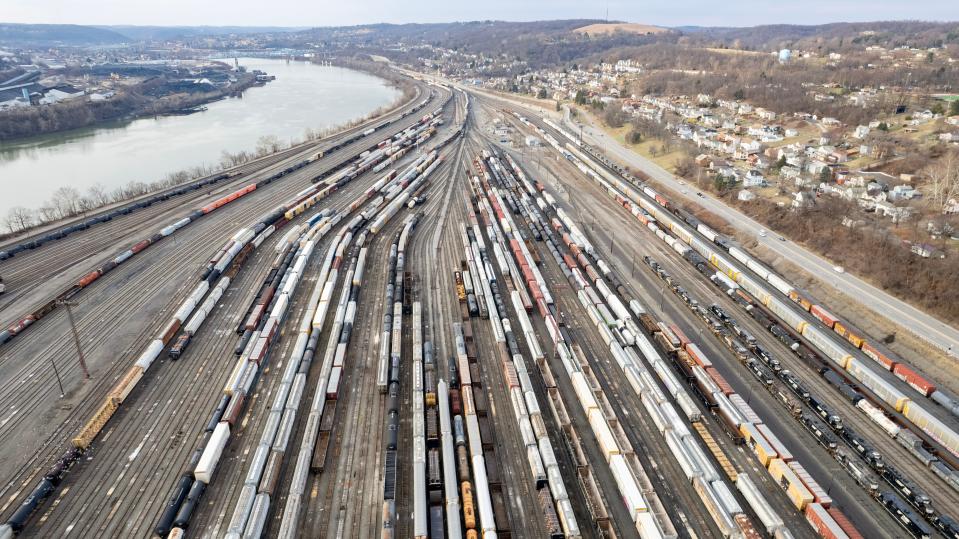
{"x":3,"y":287}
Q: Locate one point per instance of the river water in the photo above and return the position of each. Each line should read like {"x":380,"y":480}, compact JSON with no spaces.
{"x":302,"y":96}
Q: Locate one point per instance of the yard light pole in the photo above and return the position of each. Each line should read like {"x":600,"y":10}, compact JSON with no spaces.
{"x":662,"y":295}
{"x":76,"y":339}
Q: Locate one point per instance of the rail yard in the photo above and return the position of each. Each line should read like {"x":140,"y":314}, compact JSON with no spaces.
{"x":413,"y":329}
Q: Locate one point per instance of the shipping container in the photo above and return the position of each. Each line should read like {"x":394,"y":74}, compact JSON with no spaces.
{"x":823,"y":523}
{"x":844,"y":523}
{"x":914,"y":379}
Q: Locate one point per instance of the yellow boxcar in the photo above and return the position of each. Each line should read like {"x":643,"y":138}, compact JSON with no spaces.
{"x":760,"y":446}
{"x":469,"y":514}
{"x":126,"y":384}
{"x":798,"y":494}
{"x":840,"y":329}
{"x":95,"y":424}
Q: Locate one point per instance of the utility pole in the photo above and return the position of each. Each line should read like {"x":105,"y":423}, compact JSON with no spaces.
{"x":76,"y":338}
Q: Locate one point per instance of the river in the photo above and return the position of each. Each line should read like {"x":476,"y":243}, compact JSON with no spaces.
{"x":147,"y":149}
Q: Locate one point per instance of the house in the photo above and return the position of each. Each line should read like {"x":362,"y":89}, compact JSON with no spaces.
{"x":754,"y":179}
{"x":717,"y":164}
{"x":949,"y":137}
{"x":727,"y":172}
{"x":861,"y":132}
{"x":746,"y":195}
{"x":803,"y":199}
{"x":816,"y":167}
{"x":757,"y":161}
{"x":926,"y":251}
{"x":765,"y":114}
{"x":896,"y":213}
{"x":797,"y":161}
{"x":902,"y":192}
{"x":837,"y":156}
{"x":789,"y":172}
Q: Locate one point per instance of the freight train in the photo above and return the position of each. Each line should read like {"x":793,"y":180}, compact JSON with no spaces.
{"x":902,"y":486}
{"x":613,"y":320}
{"x":702,"y":243}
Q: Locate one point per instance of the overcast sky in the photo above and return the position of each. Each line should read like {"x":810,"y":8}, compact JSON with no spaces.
{"x":349,"y":12}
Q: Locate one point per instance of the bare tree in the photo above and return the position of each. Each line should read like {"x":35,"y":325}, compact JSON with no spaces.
{"x":66,"y":200}
{"x":944,"y":179}
{"x":98,"y":194}
{"x":47,"y":213}
{"x":19,"y":218}
{"x":267,"y":144}
{"x":227,"y":159}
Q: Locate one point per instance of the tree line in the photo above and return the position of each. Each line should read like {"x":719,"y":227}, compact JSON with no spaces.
{"x":146,"y":99}
{"x":68,"y":201}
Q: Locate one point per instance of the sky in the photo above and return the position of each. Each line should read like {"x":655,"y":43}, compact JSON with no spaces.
{"x":309,"y":13}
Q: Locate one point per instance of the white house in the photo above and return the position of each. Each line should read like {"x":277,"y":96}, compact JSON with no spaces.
{"x":753,"y":179}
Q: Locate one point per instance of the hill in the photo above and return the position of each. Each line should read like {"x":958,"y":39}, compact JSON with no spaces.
{"x":884,"y":33}
{"x":149,"y":33}
{"x":537,"y":43}
{"x":628,"y":27}
{"x":21,"y":35}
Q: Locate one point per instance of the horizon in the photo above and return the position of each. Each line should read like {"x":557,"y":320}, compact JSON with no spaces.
{"x":294,"y":14}
{"x":466,"y":21}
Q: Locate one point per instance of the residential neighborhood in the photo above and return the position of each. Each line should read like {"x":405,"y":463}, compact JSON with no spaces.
{"x":790,"y":157}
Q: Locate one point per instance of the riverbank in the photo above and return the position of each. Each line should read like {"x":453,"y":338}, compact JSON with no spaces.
{"x":228,"y":161}
{"x":154,"y":97}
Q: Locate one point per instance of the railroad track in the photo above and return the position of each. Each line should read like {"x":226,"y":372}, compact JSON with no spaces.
{"x":644,"y":437}
{"x":653,"y":297}
{"x":891,"y":450}
{"x":195,"y":400}
{"x":60,"y":265}
{"x":68,"y":427}
{"x":262,"y":163}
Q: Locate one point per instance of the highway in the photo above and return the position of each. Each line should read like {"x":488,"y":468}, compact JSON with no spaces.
{"x":934,"y":331}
